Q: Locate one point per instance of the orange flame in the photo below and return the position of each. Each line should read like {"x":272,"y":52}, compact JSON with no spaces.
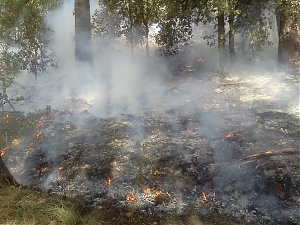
{"x":204,"y":198}
{"x":147,"y":191}
{"x":3,"y":151}
{"x":6,"y":116}
{"x":109,"y":181}
{"x":157,"y":193}
{"x":229,"y":135}
{"x":131,"y":198}
{"x":38,"y":135}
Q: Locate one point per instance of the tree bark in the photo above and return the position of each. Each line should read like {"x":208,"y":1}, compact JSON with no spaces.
{"x":147,"y":40}
{"x":281,"y":36}
{"x":83,"y":49}
{"x":6,"y":179}
{"x":288,"y":43}
{"x":221,"y":43}
{"x":231,"y":38}
{"x":131,"y":30}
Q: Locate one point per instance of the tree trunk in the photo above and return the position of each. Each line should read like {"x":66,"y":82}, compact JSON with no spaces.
{"x":221,"y":43}
{"x":281,"y":36}
{"x":288,"y":43}
{"x":131,"y":30}
{"x":147,"y":40}
{"x":231,"y":38}
{"x":83,"y":48}
{"x":6,"y":178}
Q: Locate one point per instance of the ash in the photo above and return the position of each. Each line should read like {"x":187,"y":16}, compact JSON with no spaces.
{"x":215,"y":153}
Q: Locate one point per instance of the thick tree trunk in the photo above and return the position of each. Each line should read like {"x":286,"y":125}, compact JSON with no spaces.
{"x":231,"y":38}
{"x":288,"y":43}
{"x":221,"y":43}
{"x":288,"y":40}
{"x":83,"y":49}
{"x":6,"y":178}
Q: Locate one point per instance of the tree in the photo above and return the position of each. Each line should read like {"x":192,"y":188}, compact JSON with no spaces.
{"x":10,"y":38}
{"x":288,"y":17}
{"x":83,"y":48}
{"x":6,"y":179}
{"x":36,"y":51}
{"x":24,"y":43}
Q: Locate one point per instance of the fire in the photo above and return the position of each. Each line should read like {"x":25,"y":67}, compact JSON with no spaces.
{"x":15,"y":141}
{"x":229,"y":135}
{"x":131,"y":198}
{"x":109,"y":181}
{"x":157,"y":193}
{"x":147,"y":191}
{"x":38,"y":135}
{"x":6,"y":116}
{"x":4,"y":150}
{"x":204,"y":199}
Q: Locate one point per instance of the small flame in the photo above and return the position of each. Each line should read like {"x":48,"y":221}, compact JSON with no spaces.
{"x":6,"y":116}
{"x":147,"y":191}
{"x":131,"y":198}
{"x":15,"y":141}
{"x":229,"y":135}
{"x":204,"y":198}
{"x":157,"y":193}
{"x":3,"y":151}
{"x":38,"y":135}
{"x":109,"y":181}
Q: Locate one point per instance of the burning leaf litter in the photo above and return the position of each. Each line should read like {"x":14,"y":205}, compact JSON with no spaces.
{"x":172,"y":163}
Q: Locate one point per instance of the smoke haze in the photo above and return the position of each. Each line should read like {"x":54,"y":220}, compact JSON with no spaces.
{"x":202,"y":101}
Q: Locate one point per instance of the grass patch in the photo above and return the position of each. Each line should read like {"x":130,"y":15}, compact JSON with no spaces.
{"x":20,"y":206}
{"x":28,"y":207}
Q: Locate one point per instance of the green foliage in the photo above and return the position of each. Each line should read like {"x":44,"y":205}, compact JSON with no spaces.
{"x":35,"y":46}
{"x":289,"y":9}
{"x":24,"y":38}
{"x":9,"y":66}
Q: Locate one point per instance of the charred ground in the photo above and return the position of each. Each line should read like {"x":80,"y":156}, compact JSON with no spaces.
{"x":208,"y":154}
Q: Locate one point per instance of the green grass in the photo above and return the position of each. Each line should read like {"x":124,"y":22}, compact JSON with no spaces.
{"x":19,"y":206}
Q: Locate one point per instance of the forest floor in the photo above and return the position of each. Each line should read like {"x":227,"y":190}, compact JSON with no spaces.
{"x":213,"y":150}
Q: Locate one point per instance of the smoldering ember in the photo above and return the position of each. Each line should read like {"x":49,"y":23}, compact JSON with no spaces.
{"x":222,"y":146}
